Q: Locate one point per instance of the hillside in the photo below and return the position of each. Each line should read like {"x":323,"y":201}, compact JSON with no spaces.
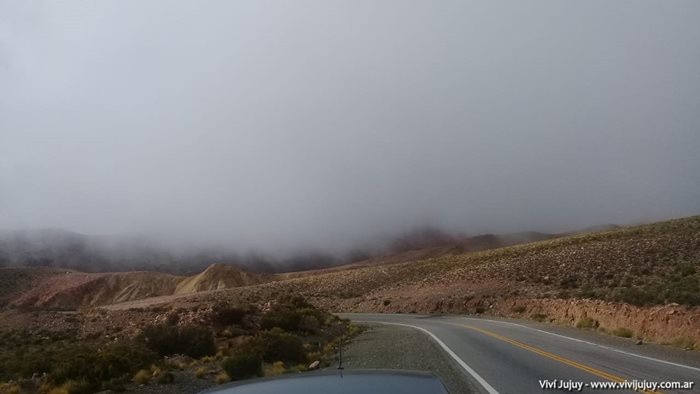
{"x":418,"y":246}
{"x":632,"y":276}
{"x":646,"y":278}
{"x":64,"y":289}
{"x":218,"y":276}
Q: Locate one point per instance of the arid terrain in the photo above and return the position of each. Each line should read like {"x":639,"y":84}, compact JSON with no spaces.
{"x":642,"y":279}
{"x":640,"y":282}
{"x":616,"y":277}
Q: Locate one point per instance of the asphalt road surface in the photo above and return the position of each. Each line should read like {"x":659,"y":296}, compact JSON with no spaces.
{"x":506,"y":357}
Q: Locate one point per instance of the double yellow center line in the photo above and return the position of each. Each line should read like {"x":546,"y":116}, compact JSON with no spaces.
{"x":552,"y":356}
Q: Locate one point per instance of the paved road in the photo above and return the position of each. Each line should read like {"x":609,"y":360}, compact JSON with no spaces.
{"x":505,"y":357}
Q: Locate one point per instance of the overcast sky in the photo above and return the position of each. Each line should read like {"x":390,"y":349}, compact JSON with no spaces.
{"x":322,"y":123}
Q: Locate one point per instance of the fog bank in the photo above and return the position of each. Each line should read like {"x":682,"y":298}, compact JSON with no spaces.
{"x":284,"y":126}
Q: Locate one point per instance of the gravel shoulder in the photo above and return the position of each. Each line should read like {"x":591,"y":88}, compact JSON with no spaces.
{"x":395,"y":347}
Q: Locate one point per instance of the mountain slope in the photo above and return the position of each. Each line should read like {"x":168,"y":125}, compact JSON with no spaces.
{"x":218,"y":276}
{"x":65,"y":289}
{"x":633,"y":277}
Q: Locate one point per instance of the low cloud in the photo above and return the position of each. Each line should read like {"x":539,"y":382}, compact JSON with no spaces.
{"x":325,"y":125}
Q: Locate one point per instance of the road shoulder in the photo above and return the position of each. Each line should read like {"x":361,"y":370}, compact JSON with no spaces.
{"x":396,"y":347}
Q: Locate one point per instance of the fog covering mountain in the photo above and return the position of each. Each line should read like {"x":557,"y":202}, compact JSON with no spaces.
{"x":64,"y":249}
{"x":317,"y":129}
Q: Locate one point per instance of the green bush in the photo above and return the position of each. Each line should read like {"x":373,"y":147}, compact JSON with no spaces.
{"x":684,"y":290}
{"x":77,"y":368}
{"x":167,"y":340}
{"x":277,"y":345}
{"x":639,"y":295}
{"x":294,"y":314}
{"x":86,"y":364}
{"x":243,"y":365}
{"x":283,"y":316}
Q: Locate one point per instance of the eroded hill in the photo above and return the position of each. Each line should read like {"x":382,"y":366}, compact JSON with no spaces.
{"x":65,"y":289}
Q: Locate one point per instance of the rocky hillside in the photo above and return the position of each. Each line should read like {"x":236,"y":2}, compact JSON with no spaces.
{"x":640,"y":268}
{"x":645,"y":279}
{"x":65,"y":289}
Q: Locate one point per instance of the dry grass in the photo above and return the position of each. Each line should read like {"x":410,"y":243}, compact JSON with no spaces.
{"x":222,"y":378}
{"x":143,"y":376}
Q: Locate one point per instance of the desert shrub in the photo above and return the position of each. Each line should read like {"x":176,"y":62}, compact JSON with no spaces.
{"x":309,"y":323}
{"x":623,"y":332}
{"x":167,"y":340}
{"x":587,"y":293}
{"x":353,"y":330}
{"x":386,"y":302}
{"x":142,"y":376}
{"x":243,"y":365}
{"x":222,"y":378}
{"x":294,"y":313}
{"x":200,"y":372}
{"x":283,"y":316}
{"x":116,"y":384}
{"x":277,"y":345}
{"x":234,"y":331}
{"x":686,"y":269}
{"x":165,"y":378}
{"x":569,"y":282}
{"x":275,"y":369}
{"x":638,"y":295}
{"x":67,"y":361}
{"x":226,"y":315}
{"x":85,"y":364}
{"x":74,"y":387}
{"x":9,"y":388}
{"x":684,"y":342}
{"x":684,"y":290}
{"x":538,"y":317}
{"x":587,"y":322}
{"x":295,"y":301}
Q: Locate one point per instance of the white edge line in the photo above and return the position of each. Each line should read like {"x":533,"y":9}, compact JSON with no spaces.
{"x":449,"y":351}
{"x":591,"y":343}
